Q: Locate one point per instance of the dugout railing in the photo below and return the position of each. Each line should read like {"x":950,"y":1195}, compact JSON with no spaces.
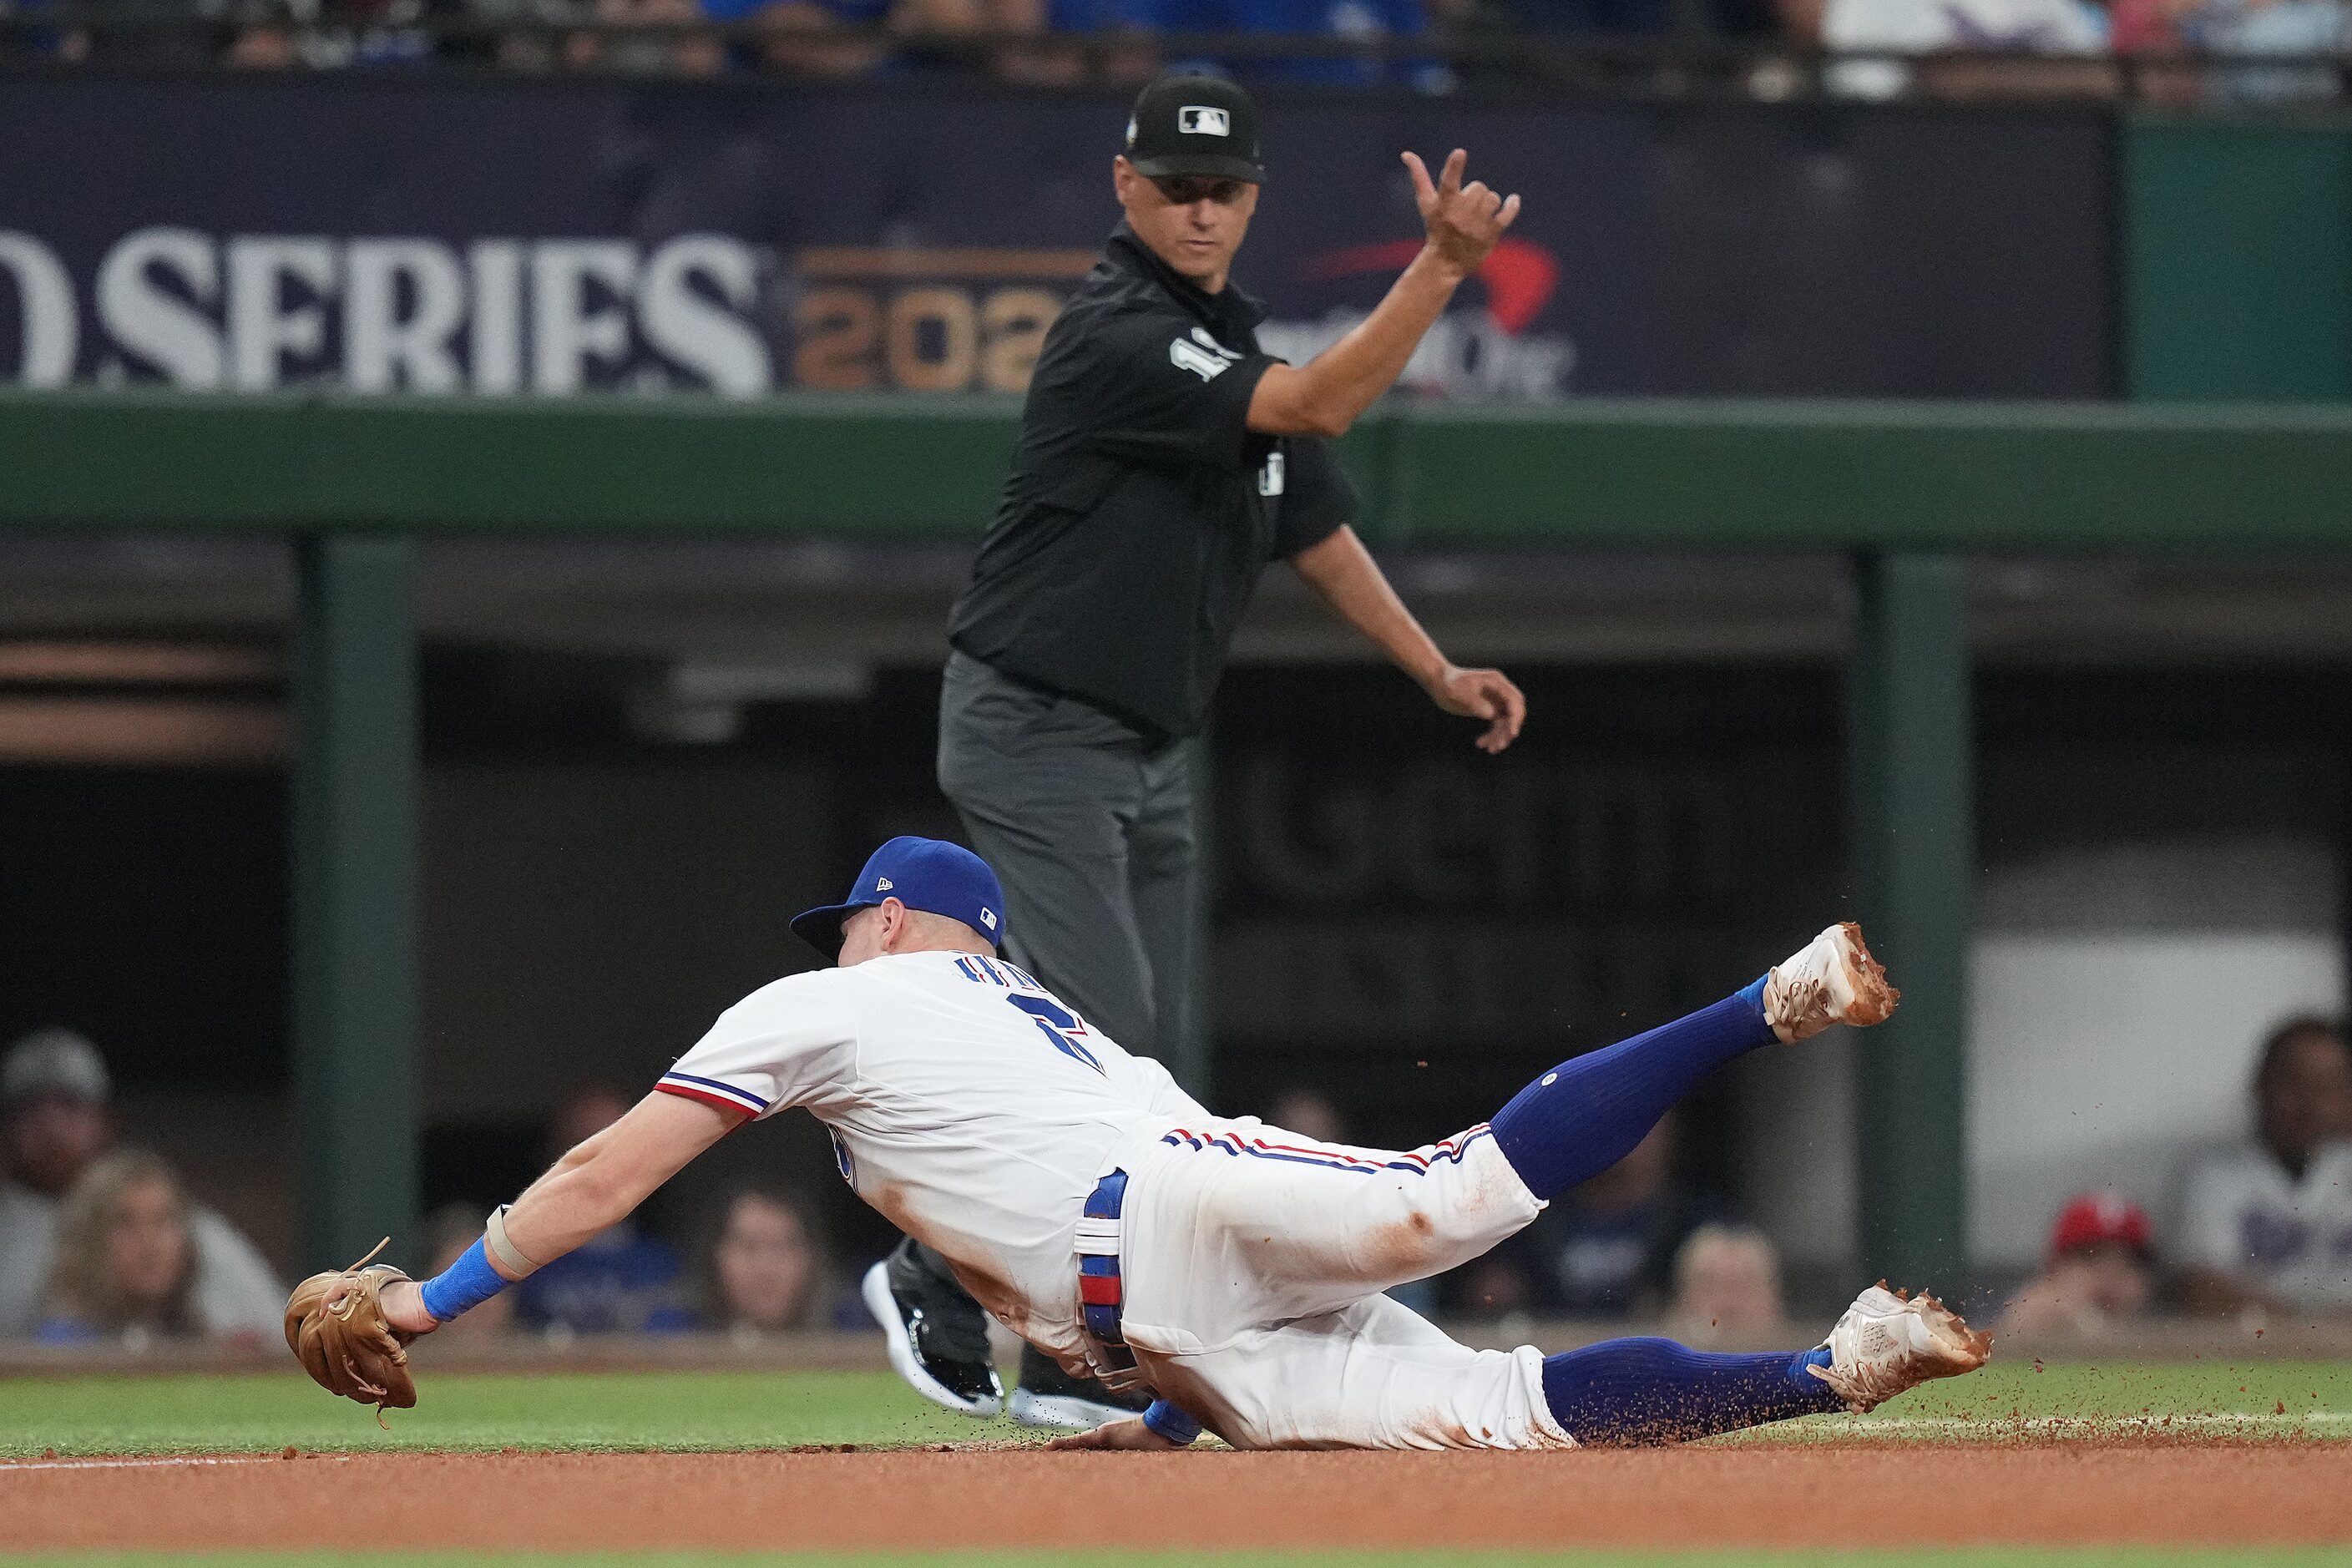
{"x":1908,"y":491}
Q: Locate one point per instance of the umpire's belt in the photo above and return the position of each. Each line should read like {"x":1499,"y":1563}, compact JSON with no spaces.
{"x":1101,"y":1293}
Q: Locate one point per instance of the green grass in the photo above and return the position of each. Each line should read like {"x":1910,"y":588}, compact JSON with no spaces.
{"x":248,"y":1413}
{"x":260,"y":1412}
{"x":1997,"y":1557}
{"x":2274,"y":1398}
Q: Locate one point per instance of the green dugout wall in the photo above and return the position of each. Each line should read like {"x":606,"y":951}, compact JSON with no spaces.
{"x":2235,"y":260}
{"x":1906,"y":490}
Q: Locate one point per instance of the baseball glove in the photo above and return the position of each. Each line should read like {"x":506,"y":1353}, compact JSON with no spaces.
{"x":347,"y":1347}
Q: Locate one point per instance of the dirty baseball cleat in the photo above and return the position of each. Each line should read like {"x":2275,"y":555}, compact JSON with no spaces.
{"x":945,"y":1361}
{"x":1832,"y":980}
{"x":1889,"y":1340}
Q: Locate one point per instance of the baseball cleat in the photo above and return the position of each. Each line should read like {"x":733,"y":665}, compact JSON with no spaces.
{"x":1890,"y":1341}
{"x":937,"y":1371}
{"x":1832,"y":980}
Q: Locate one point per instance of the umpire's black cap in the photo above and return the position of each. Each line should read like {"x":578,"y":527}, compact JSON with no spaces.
{"x":1194,"y":125}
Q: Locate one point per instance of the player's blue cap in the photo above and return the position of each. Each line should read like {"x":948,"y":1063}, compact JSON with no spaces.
{"x":928,"y":874}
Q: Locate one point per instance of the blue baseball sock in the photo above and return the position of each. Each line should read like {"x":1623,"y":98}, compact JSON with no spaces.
{"x":1648,"y":1390}
{"x":1587,"y":1113}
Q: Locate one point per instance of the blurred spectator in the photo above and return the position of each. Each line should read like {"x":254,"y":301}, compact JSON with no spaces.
{"x":1117,"y":49}
{"x":765,"y":1267}
{"x":2268,"y":1226}
{"x":663,"y":50}
{"x":1585,"y":19}
{"x":453,"y":1228}
{"x":838,"y":37}
{"x":2101,"y":1270}
{"x":620,"y":1281}
{"x":1609,"y":1244}
{"x":53,"y":1126}
{"x":2016,"y":28}
{"x":1727,"y":1283}
{"x":265,"y":46}
{"x":1308,"y":1111}
{"x":124,"y":1264}
{"x":534,"y":48}
{"x":1360,"y":21}
{"x":1796,"y":26}
{"x":2267,"y":29}
{"x":1498,"y":1285}
{"x":2150,"y":31}
{"x":817,"y":38}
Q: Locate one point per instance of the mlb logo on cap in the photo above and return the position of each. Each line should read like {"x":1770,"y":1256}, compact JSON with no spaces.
{"x":1201,"y":125}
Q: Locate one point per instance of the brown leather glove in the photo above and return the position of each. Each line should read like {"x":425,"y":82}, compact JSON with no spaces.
{"x":347,"y":1347}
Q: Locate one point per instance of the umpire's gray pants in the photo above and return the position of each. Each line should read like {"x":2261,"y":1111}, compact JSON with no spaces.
{"x":1089,"y":827}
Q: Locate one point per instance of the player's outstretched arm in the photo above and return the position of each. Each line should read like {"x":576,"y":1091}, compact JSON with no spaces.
{"x":1323,"y":396}
{"x":1131,"y":1434}
{"x":587,"y":1191}
{"x":1339,"y":568}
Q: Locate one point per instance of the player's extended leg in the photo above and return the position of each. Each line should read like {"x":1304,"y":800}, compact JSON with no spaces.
{"x":1587,"y":1113}
{"x":1376,"y":1375}
{"x":1649,"y":1391}
{"x":1312,"y":1226}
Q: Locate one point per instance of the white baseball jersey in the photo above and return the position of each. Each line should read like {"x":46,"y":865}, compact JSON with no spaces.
{"x":2245,"y":1217}
{"x":966,"y":1103}
{"x":977,"y":1112}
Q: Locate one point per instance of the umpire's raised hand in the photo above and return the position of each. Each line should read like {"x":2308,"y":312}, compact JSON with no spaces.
{"x":1465,"y":222}
{"x":1324,"y":396}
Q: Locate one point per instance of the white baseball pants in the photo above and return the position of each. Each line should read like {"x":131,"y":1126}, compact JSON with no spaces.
{"x":1252,"y":1261}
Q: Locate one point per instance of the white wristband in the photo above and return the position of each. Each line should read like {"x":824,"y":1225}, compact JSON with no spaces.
{"x":509,"y":1255}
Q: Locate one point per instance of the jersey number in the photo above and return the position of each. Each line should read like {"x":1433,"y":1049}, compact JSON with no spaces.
{"x":1058,"y":1024}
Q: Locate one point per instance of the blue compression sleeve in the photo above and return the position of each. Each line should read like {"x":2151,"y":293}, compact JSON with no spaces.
{"x":1654,"y":1391}
{"x":1587,"y":1113}
{"x":467,"y":1283}
{"x":1171,"y":1422}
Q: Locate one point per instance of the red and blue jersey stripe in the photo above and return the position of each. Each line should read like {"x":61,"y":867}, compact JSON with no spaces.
{"x":1236,"y":1142}
{"x":711,"y":1091}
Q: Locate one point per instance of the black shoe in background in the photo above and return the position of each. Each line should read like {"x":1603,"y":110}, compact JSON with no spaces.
{"x":937,"y":1334}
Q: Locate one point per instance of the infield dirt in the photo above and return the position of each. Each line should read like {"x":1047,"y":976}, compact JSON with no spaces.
{"x":1807,"y":1495}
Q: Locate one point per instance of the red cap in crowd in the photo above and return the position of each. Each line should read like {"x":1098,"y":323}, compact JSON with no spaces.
{"x":2091,"y":1219}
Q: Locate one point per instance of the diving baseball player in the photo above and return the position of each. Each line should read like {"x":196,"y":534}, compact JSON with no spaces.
{"x":1232,"y":1269}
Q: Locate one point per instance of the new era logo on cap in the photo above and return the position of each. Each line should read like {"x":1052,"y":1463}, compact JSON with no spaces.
{"x":926,"y":874}
{"x":1203,"y":120}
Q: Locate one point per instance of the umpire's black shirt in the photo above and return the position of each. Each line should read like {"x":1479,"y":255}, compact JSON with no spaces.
{"x":1141,"y":507}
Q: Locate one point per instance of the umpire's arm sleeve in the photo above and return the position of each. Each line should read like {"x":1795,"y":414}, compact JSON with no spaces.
{"x":1164,"y":393}
{"x":1318,"y":498}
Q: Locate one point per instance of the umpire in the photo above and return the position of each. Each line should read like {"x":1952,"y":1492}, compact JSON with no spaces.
{"x":1164,"y":460}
